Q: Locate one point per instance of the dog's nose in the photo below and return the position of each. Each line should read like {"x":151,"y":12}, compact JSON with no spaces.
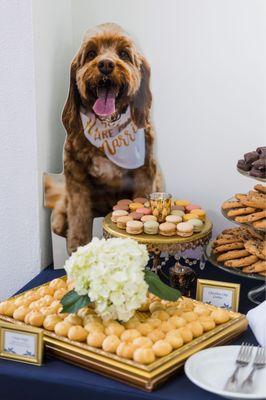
{"x":106,"y":67}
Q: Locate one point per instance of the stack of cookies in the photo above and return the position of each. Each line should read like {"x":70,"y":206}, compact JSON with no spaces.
{"x":136,"y":216}
{"x":248,"y":208}
{"x":241,"y":248}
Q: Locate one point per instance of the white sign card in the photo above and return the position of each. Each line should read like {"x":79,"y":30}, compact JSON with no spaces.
{"x":217,"y":297}
{"x":219,"y":294}
{"x":21,"y":343}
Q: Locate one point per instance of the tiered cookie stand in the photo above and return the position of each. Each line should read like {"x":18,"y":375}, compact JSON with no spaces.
{"x":161,"y":247}
{"x":258,"y":291}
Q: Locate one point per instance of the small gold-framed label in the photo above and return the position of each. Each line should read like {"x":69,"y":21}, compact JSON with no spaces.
{"x":21,"y":343}
{"x":219,"y":294}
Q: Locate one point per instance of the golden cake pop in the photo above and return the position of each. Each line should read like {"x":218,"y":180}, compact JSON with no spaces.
{"x":60,"y":293}
{"x":50,"y":321}
{"x":84,"y":312}
{"x":32,"y":295}
{"x":35,"y":305}
{"x":220,"y":316}
{"x":132,"y":323}
{"x":20,"y":313}
{"x":130,"y":334}
{"x":45,"y":300}
{"x":110,"y":343}
{"x":125,"y":350}
{"x":94,"y":327}
{"x":186,"y":305}
{"x":201,"y":310}
{"x":57,"y":283}
{"x":154,"y":322}
{"x":144,"y":328}
{"x":92,"y":318}
{"x":172,"y":310}
{"x":156,"y":335}
{"x":144,"y":355}
{"x":62,"y":328}
{"x":115,"y":329}
{"x":48,"y":310}
{"x":78,"y":333}
{"x":73,"y":319}
{"x":167,"y":326}
{"x":160,"y":314}
{"x":44,"y":290}
{"x":178,"y":322}
{"x":189,"y":316}
{"x":176,"y":341}
{"x":142,"y":341}
{"x":21,"y":301}
{"x":196,"y":328}
{"x":162,"y":348}
{"x":95,"y":339}
{"x":35,"y":318}
{"x":186,"y":334}
{"x":7,"y":308}
{"x":155,"y":306}
{"x":207,"y":323}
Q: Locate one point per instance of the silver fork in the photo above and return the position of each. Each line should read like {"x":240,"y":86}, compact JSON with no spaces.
{"x":258,"y":363}
{"x":242,"y":360}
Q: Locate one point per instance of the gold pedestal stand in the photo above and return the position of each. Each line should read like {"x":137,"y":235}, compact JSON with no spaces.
{"x":163,"y":246}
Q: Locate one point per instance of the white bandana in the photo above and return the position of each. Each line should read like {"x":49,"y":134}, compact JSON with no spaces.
{"x":120,"y":140}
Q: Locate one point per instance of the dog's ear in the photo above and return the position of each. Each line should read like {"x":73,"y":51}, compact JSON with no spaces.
{"x":70,"y":113}
{"x":141,"y":103}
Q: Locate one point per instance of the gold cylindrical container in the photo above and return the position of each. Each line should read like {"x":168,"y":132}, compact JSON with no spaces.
{"x":160,"y":205}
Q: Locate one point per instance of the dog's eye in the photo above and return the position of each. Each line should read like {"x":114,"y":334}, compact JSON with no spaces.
{"x":91,"y":55}
{"x":124,"y":55}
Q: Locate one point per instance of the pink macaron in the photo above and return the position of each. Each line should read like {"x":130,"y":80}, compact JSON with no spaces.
{"x":191,"y":207}
{"x":144,"y":210}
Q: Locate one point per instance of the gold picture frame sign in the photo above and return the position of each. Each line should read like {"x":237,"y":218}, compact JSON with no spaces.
{"x":21,"y":343}
{"x":216,"y":292}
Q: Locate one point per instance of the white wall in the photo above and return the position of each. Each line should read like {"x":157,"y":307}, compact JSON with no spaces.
{"x":52,"y":32}
{"x":19,"y":222}
{"x":35,"y":52}
{"x":208,"y":60}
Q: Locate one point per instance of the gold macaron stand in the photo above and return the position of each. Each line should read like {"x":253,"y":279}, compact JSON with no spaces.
{"x":127,"y":371}
{"x":157,"y":244}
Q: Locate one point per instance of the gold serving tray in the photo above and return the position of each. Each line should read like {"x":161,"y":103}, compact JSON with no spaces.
{"x":127,"y":371}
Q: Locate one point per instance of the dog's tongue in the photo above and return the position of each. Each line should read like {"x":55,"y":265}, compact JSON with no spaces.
{"x":105,"y":104}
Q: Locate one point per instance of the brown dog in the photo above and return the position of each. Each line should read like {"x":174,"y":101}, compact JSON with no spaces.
{"x":109,"y":83}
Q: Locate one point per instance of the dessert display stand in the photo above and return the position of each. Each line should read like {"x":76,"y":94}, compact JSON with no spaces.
{"x":255,"y":293}
{"x":162,"y":247}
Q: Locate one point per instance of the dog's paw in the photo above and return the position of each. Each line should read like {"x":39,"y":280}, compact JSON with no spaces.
{"x":59,"y":224}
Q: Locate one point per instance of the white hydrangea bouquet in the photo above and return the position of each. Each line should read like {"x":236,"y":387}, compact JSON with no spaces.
{"x":111,"y":274}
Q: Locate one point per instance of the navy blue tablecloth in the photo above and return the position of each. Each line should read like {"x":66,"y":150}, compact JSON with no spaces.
{"x":59,"y":380}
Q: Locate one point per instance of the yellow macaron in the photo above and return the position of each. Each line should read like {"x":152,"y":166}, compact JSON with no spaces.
{"x":201,"y":214}
{"x":187,"y":217}
{"x":183,"y":203}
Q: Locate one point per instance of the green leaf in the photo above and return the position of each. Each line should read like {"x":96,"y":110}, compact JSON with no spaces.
{"x":160,"y":289}
{"x":72,"y":302}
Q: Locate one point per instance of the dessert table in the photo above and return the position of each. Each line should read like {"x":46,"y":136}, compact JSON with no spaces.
{"x":59,"y":380}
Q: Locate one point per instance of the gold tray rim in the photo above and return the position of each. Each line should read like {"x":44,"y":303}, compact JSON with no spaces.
{"x":143,"y":238}
{"x":217,"y":332}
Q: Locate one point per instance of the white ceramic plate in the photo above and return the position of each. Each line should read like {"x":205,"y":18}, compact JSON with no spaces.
{"x":209,"y":369}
